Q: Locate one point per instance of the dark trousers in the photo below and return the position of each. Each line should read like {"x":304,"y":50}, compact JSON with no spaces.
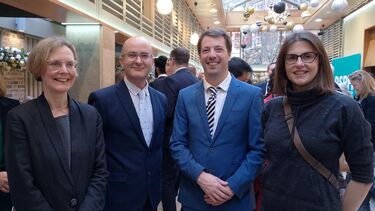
{"x":170,"y":181}
{"x":5,"y":203}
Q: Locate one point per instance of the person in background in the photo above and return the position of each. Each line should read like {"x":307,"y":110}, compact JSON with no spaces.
{"x":193,"y":70}
{"x":265,"y":84}
{"x":364,"y":85}
{"x":240,"y":69}
{"x":133,"y":123}
{"x":55,"y":153}
{"x":328,"y":123}
{"x":160,"y":63}
{"x":6,"y":104}
{"x":171,"y":86}
{"x":160,"y":73}
{"x":216,"y":133}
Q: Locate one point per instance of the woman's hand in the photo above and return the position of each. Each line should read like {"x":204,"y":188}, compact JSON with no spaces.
{"x":4,"y":187}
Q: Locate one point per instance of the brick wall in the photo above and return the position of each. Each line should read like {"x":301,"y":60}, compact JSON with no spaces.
{"x":15,"y":80}
{"x":12,"y":39}
{"x":15,"y":83}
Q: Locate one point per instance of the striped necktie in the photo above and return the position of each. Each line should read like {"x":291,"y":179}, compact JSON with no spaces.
{"x":210,"y":109}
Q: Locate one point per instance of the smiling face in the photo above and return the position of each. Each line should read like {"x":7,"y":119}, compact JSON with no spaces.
{"x":60,"y":71}
{"x":137,"y":60}
{"x":214,"y":57}
{"x":300,"y":73}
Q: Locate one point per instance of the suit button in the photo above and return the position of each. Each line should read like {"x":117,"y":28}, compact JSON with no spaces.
{"x":149,"y":173}
{"x":73,"y":202}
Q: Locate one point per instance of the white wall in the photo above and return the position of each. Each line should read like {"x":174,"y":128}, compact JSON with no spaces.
{"x":355,"y":25}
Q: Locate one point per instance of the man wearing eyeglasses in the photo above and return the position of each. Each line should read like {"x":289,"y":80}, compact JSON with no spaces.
{"x":133,"y":124}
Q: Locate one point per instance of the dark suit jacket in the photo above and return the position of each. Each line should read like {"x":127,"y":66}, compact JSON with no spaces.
{"x":5,"y":105}
{"x":234,"y":154}
{"x":134,"y":167}
{"x":171,"y":86}
{"x":263,"y":86}
{"x":38,"y":171}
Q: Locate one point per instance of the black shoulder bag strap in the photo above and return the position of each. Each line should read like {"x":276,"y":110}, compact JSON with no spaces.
{"x":319,"y":167}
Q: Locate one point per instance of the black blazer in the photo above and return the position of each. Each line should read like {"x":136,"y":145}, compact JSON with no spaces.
{"x":38,"y":173}
{"x":5,"y":105}
{"x":134,"y":167}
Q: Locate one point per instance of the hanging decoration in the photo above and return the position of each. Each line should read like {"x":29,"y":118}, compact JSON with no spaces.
{"x":279,"y":7}
{"x":11,"y":57}
{"x":303,"y":6}
{"x":273,"y":28}
{"x":248,"y":12}
{"x":298,"y":28}
{"x":339,"y":5}
{"x":276,"y":13}
{"x":314,"y":3}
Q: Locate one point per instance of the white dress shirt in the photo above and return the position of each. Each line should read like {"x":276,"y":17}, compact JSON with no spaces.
{"x":221,"y":94}
{"x":143,"y":107}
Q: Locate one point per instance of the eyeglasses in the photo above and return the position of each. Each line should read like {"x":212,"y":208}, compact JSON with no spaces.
{"x":56,"y":64}
{"x":307,"y":57}
{"x":132,"y":56}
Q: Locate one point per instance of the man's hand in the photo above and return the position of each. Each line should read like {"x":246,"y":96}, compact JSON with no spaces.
{"x":4,"y":187}
{"x":216,"y":190}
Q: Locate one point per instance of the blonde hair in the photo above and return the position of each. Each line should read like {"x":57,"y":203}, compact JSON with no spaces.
{"x":365,"y":80}
{"x":37,"y":60}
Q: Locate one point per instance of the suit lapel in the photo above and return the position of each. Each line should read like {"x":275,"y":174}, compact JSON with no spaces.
{"x":228,"y":105}
{"x":201,"y":106}
{"x":53,"y":133}
{"x":155,"y":115}
{"x":127,"y":104}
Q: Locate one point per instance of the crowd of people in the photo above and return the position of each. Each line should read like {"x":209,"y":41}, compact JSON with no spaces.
{"x":205,"y":139}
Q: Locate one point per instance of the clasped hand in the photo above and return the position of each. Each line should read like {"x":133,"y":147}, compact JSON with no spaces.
{"x":216,"y":190}
{"x":4,"y":187}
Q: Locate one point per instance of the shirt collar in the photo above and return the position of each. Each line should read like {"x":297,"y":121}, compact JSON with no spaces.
{"x":179,"y":69}
{"x":224,"y":85}
{"x":133,"y":89}
{"x":162,"y":75}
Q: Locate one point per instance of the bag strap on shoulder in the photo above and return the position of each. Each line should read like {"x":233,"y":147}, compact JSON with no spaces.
{"x":318,"y":166}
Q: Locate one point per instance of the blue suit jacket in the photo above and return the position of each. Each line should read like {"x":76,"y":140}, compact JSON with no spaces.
{"x":133,"y":166}
{"x":234,"y":154}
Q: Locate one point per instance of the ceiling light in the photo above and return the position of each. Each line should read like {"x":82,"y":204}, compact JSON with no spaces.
{"x":216,"y":22}
{"x":164,"y":6}
{"x":305,"y":14}
{"x":213,"y":10}
{"x":318,"y":20}
{"x":80,"y":23}
{"x":194,"y":38}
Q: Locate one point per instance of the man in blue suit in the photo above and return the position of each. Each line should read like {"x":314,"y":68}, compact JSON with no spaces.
{"x":216,"y":133}
{"x":133,"y":124}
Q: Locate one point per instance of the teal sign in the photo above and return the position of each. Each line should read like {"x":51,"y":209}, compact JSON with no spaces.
{"x":344,"y":66}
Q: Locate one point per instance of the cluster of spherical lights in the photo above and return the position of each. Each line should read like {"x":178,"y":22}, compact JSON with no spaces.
{"x":279,"y":8}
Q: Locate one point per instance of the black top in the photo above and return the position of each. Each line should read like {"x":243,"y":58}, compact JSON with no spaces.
{"x":368,"y":108}
{"x":328,"y":124}
{"x":63,"y":126}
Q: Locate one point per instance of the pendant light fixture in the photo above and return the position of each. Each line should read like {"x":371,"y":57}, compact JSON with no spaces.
{"x":194,"y":37}
{"x":164,"y":7}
